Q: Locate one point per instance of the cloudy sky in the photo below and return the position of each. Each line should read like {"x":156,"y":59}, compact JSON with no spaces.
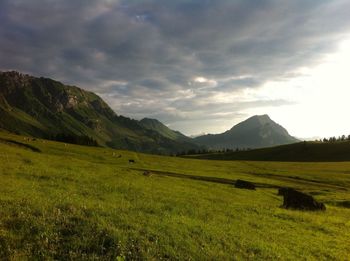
{"x":198,"y":66}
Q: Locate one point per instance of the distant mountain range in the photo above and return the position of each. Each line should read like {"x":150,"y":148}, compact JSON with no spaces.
{"x":41,"y":107}
{"x":255,"y":132}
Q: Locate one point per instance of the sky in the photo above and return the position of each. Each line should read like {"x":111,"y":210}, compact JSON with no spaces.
{"x":198,"y":66}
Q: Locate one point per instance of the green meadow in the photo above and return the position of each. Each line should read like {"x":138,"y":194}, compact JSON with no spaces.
{"x":67,"y":202}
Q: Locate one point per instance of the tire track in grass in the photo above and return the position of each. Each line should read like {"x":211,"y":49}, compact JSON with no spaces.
{"x":201,"y":178}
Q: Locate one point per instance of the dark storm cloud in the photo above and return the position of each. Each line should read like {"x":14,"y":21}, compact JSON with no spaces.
{"x":144,"y":56}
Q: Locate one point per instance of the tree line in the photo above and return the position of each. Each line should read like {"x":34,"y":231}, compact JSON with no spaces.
{"x":335,"y":139}
{"x":74,"y":139}
{"x":211,"y":151}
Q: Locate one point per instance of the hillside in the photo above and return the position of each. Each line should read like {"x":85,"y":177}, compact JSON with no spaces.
{"x":69,"y":202}
{"x":301,"y":151}
{"x":255,"y":132}
{"x":42,"y":107}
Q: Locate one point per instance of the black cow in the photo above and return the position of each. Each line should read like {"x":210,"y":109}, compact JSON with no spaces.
{"x":293,"y":199}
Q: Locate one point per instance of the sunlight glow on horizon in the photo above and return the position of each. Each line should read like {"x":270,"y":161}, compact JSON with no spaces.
{"x":320,"y":98}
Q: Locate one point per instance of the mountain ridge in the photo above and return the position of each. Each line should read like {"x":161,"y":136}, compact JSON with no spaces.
{"x":158,"y":126}
{"x":42,"y":107}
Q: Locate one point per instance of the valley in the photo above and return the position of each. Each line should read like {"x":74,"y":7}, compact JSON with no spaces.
{"x":174,"y":130}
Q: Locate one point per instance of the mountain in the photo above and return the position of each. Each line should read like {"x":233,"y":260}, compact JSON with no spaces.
{"x":256,"y":132}
{"x":186,"y":143}
{"x":41,"y":107}
{"x":153,"y":124}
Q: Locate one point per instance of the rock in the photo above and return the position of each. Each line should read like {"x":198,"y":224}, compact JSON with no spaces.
{"x":244,"y":184}
{"x":293,"y":199}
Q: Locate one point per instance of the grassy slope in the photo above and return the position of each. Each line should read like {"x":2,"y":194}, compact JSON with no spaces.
{"x":81,"y":202}
{"x":302,"y":152}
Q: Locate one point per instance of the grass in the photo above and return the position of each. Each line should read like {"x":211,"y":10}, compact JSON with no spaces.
{"x":72,"y":202}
